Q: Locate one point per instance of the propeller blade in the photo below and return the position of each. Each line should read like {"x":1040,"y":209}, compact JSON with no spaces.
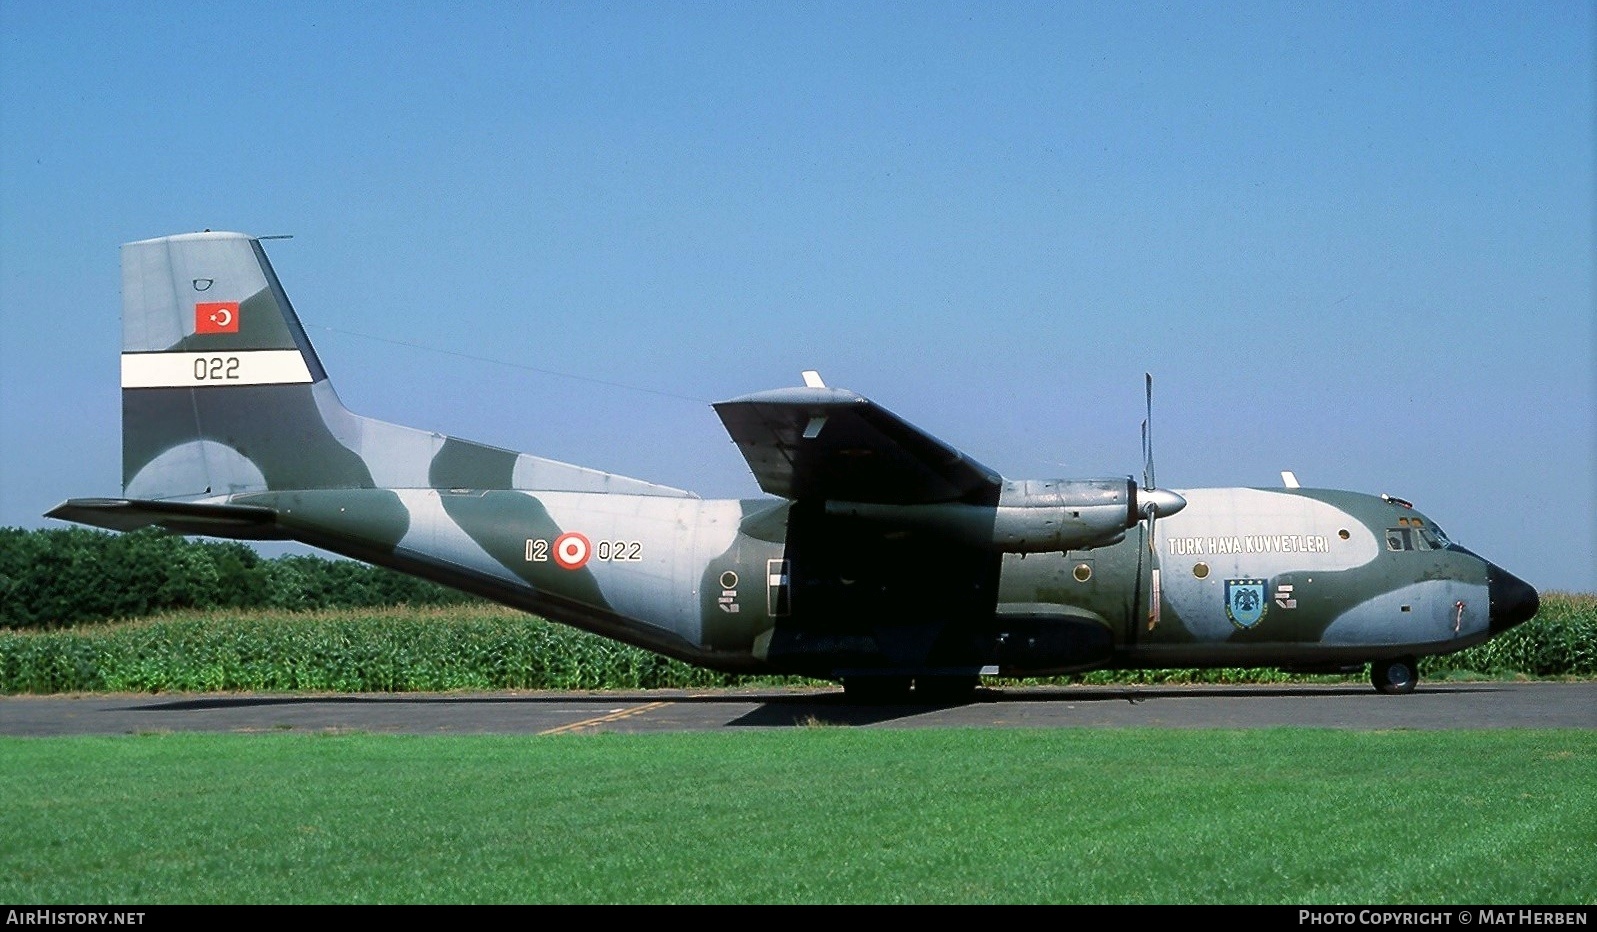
{"x":1155,"y":596}
{"x":1147,"y":458}
{"x":1154,"y":502}
{"x":1147,"y":435}
{"x":1157,"y":500}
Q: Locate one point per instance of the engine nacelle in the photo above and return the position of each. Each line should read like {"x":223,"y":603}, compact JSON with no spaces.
{"x":1047,"y":515}
{"x":1032,"y":515}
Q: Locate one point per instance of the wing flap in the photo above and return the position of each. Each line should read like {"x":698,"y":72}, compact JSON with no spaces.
{"x":830,"y":443}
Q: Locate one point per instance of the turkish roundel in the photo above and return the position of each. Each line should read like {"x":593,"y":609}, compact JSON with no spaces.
{"x":572,"y":550}
{"x":216,"y":317}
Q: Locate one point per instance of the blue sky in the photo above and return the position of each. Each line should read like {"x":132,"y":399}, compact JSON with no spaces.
{"x":1353,"y":240}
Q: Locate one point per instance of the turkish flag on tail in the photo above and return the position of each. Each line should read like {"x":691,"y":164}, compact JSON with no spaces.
{"x":216,"y":317}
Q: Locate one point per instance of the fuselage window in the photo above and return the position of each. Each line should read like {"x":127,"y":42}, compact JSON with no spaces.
{"x":1398,"y":538}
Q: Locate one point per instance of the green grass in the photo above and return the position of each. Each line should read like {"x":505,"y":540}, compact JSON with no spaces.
{"x":813,"y":815}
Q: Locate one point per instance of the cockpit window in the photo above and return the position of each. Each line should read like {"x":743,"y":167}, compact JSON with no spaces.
{"x":1415,"y":537}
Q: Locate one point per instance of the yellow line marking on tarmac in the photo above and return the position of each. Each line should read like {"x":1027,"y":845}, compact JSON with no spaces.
{"x":615,"y":716}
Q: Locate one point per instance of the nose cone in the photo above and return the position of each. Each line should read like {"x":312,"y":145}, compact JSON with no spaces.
{"x":1513,"y":599}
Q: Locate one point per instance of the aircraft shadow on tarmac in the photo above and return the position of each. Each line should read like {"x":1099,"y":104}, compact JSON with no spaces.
{"x":793,"y":710}
{"x":835,"y":709}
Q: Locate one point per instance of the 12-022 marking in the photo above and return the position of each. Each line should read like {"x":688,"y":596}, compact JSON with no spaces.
{"x":572,"y":551}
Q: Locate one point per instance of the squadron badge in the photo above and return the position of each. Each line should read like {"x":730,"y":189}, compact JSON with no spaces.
{"x":1244,"y":601}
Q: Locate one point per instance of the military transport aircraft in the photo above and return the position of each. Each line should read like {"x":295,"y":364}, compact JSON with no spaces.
{"x":887,"y":561}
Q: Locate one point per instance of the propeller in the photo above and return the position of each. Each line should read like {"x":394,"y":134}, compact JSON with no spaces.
{"x":1155,"y":503}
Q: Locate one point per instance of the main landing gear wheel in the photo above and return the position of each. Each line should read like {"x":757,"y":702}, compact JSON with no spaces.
{"x":945,"y":690}
{"x":875,"y":690}
{"x":1396,"y":676}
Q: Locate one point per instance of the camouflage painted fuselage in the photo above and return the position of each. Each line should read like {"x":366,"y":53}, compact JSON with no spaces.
{"x":888,"y":553}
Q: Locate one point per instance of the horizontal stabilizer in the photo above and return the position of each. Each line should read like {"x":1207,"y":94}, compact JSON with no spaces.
{"x":242,"y":522}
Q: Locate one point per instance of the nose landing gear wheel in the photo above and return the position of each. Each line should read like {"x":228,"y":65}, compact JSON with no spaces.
{"x":1396,"y":676}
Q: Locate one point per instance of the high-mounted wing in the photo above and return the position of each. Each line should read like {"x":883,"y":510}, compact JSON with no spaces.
{"x":830,"y":443}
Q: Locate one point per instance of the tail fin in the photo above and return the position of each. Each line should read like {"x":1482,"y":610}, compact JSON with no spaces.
{"x":221,"y":391}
